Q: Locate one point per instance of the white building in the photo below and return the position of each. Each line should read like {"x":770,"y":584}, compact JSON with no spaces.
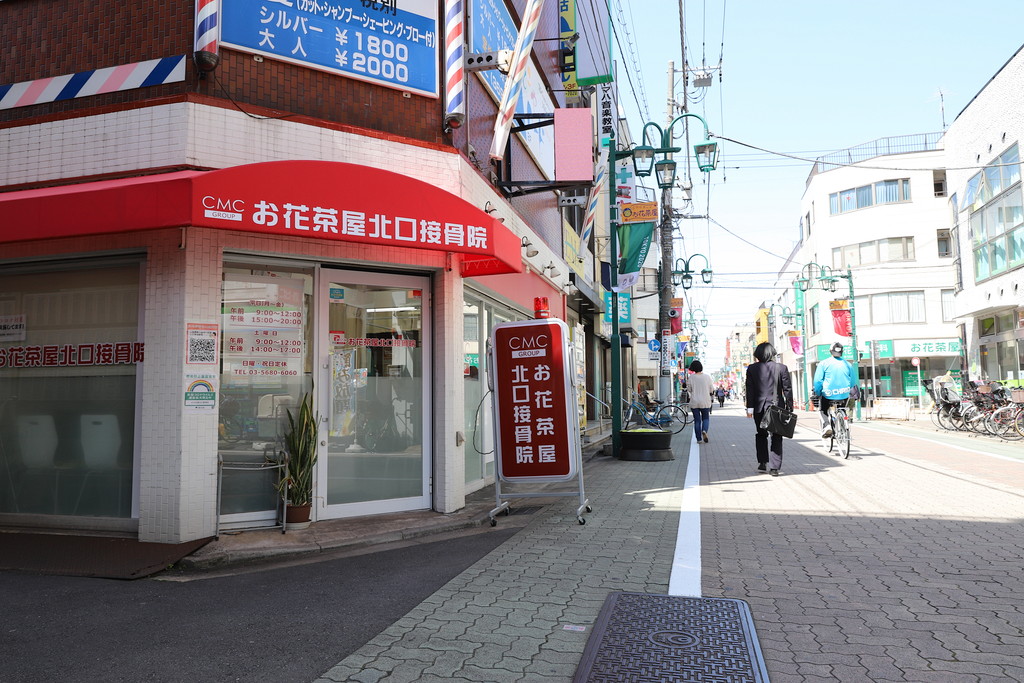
{"x":875,"y":225}
{"x":987,"y":209}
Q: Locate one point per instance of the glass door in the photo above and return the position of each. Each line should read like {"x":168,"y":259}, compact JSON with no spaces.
{"x":374,"y":393}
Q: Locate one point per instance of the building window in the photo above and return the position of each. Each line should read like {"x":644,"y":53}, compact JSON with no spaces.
{"x":996,"y":224}
{"x":647,"y":329}
{"x":69,"y":354}
{"x":814,"y":313}
{"x":648,"y":281}
{"x":883,"y":192}
{"x":895,"y":307}
{"x":947,"y":305}
{"x":945,"y":245}
{"x":939,"y":182}
{"x":875,"y":251}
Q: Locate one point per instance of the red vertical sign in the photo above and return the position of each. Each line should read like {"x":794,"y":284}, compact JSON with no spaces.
{"x":534,"y":401}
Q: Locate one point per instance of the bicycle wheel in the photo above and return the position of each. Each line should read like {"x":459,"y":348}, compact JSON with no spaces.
{"x":672,"y":418}
{"x":1001,"y":423}
{"x":942,"y":417}
{"x":829,"y":442}
{"x":1018,"y":422}
{"x":629,"y":413}
{"x":843,"y":436}
{"x":974,"y":420}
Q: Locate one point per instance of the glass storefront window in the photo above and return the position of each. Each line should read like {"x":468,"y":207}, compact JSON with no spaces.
{"x":69,"y":348}
{"x":265,"y":370}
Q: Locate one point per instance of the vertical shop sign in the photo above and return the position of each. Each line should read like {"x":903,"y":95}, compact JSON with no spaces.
{"x":535,"y":401}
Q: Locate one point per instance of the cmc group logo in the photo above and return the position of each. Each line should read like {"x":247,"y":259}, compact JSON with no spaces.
{"x":223,"y":209}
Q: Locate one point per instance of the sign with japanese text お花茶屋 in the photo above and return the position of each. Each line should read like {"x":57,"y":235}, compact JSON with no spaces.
{"x":390,"y":43}
{"x":339,"y":202}
{"x":534,"y":401}
{"x":638,"y":212}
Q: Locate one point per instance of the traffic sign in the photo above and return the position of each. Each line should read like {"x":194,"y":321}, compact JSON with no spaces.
{"x":654,"y":345}
{"x":915,"y":361}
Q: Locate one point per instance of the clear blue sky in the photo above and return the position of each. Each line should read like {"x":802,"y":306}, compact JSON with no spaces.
{"x":803,"y":77}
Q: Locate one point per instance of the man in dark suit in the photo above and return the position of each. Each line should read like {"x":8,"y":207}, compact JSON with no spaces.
{"x":763,"y":377}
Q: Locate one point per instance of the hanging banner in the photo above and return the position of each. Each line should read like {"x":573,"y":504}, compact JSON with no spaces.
{"x":634,"y":243}
{"x":796,"y":342}
{"x":842,"y":323}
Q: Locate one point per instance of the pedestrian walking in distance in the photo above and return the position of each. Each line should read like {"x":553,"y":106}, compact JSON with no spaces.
{"x":761,"y":389}
{"x":700,"y":400}
{"x":720,"y":395}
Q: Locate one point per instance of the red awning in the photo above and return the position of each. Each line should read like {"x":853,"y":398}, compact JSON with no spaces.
{"x":317,"y":200}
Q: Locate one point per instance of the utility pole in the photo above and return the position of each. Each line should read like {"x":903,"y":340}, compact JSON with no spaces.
{"x":665,"y":273}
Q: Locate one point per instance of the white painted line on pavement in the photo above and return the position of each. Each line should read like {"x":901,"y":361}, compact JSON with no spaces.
{"x":685,"y":576}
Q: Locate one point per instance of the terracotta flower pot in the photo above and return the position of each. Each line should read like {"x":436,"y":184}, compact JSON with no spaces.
{"x":297,"y":516}
{"x":646,"y":445}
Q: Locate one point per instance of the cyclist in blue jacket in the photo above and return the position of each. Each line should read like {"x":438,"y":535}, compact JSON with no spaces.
{"x":832,"y":382}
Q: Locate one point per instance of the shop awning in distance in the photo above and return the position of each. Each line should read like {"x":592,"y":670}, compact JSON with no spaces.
{"x":317,"y":200}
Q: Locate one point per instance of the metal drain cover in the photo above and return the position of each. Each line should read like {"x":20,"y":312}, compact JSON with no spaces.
{"x":655,"y":638}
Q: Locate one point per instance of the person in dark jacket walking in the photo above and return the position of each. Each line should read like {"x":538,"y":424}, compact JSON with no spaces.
{"x":761,"y":389}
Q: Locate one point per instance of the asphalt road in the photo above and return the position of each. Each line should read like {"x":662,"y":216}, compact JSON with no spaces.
{"x":279,"y":623}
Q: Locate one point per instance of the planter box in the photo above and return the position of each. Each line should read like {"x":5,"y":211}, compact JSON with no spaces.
{"x":646,"y":445}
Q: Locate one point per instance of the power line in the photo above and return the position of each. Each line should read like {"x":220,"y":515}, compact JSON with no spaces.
{"x":859,"y":165}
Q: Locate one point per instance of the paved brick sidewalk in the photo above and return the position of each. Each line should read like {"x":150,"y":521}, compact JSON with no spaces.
{"x":524,"y":612}
{"x":899,"y":564}
{"x":903,"y":563}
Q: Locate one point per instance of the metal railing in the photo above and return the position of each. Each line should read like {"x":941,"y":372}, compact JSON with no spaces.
{"x":897,"y":144}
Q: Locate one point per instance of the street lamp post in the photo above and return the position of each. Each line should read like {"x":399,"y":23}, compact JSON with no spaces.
{"x":614,"y":155}
{"x":706,"y":153}
{"x":683,"y":275}
{"x":826,"y":278}
{"x":789,"y":316}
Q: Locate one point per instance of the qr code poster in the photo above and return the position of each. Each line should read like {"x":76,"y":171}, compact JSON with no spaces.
{"x":202,"y":344}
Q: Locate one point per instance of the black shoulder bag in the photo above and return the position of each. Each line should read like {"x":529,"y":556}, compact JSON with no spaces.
{"x":777,"y":419}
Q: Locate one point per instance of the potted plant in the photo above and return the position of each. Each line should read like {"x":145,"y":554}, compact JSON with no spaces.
{"x":299,"y":456}
{"x":648,"y":443}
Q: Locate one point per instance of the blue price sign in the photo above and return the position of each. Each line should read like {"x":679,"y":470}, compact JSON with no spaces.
{"x":376,"y":42}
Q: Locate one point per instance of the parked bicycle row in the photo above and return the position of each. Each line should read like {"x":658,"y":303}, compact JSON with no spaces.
{"x":988,"y":408}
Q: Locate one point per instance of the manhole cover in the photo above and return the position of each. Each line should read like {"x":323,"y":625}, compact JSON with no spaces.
{"x":647,"y":638}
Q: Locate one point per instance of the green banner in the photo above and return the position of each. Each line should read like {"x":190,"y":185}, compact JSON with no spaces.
{"x":635,"y":243}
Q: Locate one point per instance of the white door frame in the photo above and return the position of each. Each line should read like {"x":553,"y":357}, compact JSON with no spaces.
{"x":321,"y":369}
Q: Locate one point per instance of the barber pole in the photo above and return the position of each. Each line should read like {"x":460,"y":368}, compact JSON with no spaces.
{"x":514,"y":80}
{"x":454,"y":56}
{"x":207,"y":25}
{"x":595,"y":195}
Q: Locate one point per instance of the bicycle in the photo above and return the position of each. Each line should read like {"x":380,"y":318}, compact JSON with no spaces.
{"x":665,"y":416}
{"x":839,"y":419}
